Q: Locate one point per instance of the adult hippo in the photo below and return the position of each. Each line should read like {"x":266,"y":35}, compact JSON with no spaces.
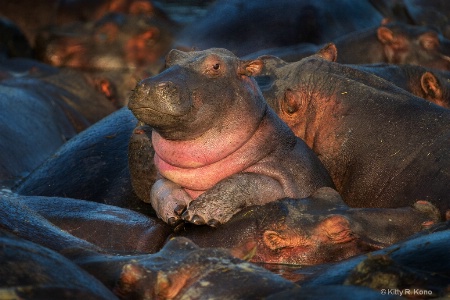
{"x":92,"y":166}
{"x":394,"y":43}
{"x":180,"y":268}
{"x":315,"y":230}
{"x":382,"y":146}
{"x":218,"y":146}
{"x":245,"y":29}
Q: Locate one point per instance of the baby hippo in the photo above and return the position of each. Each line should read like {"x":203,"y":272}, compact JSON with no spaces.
{"x":218,"y":146}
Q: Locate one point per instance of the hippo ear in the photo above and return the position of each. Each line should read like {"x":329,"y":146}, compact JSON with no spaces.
{"x":335,"y":229}
{"x":250,"y":67}
{"x":289,"y":104}
{"x":270,"y":64}
{"x":329,"y":52}
{"x":430,"y":85}
{"x":275,"y":240}
{"x":385,"y":35}
{"x":175,"y":55}
{"x":129,"y":278}
{"x":429,"y":40}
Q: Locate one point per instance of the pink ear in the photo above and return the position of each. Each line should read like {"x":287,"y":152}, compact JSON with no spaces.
{"x":274,"y":240}
{"x":385,"y":35}
{"x":336,"y":228}
{"x":430,"y":85}
{"x":329,"y":52}
{"x":251,"y":67}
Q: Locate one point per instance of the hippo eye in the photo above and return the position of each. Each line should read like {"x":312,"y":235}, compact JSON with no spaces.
{"x":216,"y":67}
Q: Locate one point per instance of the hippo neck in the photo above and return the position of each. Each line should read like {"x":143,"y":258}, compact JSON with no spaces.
{"x":213,"y":145}
{"x":201,"y":174}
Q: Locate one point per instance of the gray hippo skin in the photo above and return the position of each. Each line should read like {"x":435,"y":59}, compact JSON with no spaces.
{"x":314,"y":230}
{"x":216,"y":140}
{"x":383,"y":146}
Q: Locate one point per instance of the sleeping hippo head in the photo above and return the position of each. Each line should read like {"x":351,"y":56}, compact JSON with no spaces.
{"x":197,"y":91}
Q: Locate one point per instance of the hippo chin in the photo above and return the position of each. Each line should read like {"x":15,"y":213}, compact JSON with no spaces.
{"x":218,"y":146}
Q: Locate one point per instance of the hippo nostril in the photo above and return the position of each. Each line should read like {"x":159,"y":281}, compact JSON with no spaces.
{"x":166,"y":89}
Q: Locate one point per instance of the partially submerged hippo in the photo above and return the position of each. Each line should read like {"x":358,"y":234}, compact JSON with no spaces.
{"x":382,"y":146}
{"x":314,"y":230}
{"x":216,"y":140}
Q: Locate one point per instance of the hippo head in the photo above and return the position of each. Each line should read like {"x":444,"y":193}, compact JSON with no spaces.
{"x":308,"y":231}
{"x":416,"y":45}
{"x":196,"y":92}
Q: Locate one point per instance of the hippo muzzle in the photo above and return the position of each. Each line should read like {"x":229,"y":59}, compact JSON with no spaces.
{"x":161,"y":100}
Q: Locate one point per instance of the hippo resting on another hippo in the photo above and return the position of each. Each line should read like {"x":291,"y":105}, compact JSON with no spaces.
{"x":382,"y":146}
{"x":180,"y":269}
{"x":216,"y":140}
{"x":314,"y":230}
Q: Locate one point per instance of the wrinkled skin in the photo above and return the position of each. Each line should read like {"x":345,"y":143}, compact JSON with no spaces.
{"x":92,"y":166}
{"x":382,"y":146}
{"x":201,"y":98}
{"x":244,"y":30}
{"x":412,"y":264}
{"x":122,"y":48}
{"x":314,"y":230}
{"x":393,"y":43}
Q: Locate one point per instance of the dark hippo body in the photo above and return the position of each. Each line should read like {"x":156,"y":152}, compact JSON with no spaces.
{"x":110,"y":227}
{"x":180,"y":269}
{"x":253,"y":25}
{"x":393,"y":43}
{"x":217,"y":141}
{"x":29,"y":135}
{"x":432,"y":85}
{"x":314,"y":230}
{"x":382,"y":146}
{"x":30,"y":271}
{"x":92,"y":166}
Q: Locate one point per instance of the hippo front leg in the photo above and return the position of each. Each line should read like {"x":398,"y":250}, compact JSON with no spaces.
{"x":169,"y":200}
{"x":218,"y":204}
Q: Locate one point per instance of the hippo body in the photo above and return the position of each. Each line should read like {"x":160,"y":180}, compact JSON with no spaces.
{"x":430,"y":84}
{"x":30,"y":271}
{"x":244,"y":30}
{"x":217,"y":141}
{"x":92,"y":166}
{"x":110,"y":227}
{"x":180,"y":268}
{"x":314,"y":230}
{"x":382,"y":146}
{"x":393,"y":43}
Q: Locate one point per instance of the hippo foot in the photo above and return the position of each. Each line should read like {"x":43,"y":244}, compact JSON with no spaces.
{"x":169,"y":201}
{"x":211,"y":212}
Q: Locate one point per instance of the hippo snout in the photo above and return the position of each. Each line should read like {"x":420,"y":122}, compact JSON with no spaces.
{"x":160,"y":97}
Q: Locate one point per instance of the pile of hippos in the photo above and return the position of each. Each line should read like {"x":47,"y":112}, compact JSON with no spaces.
{"x":227,"y":149}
